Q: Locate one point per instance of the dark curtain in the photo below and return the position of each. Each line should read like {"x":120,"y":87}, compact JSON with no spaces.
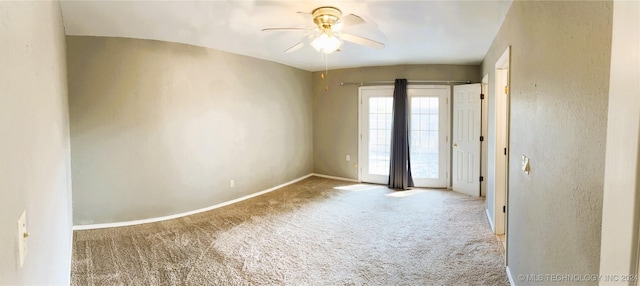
{"x":400,"y":166}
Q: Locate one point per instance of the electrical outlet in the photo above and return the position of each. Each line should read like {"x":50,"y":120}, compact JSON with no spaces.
{"x":22,"y":237}
{"x":232,"y":184}
{"x":348,"y":158}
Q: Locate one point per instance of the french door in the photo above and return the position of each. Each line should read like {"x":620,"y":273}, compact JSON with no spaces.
{"x":376,"y":105}
{"x":428,"y":122}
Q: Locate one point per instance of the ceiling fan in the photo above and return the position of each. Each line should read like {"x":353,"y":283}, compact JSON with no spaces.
{"x":327,"y":35}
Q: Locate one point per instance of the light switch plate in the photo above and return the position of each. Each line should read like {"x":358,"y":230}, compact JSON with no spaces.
{"x":22,"y":236}
{"x":525,"y":164}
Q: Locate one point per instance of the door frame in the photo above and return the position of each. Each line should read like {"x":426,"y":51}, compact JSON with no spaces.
{"x":484,"y":131}
{"x":447,"y":126}
{"x":501,"y":192}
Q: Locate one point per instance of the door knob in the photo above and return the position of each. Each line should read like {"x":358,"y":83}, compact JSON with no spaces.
{"x":454,"y":145}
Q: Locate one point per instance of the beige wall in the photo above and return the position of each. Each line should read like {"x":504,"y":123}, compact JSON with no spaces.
{"x":161,"y":128}
{"x":621,"y":201}
{"x":560,"y":54}
{"x":335,"y":112}
{"x":34,"y":145}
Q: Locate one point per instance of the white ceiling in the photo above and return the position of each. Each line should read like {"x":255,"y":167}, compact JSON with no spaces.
{"x":415,"y":32}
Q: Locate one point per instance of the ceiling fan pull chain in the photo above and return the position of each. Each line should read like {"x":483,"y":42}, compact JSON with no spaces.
{"x":326,"y":71}
{"x":326,"y":65}
{"x":322,"y":57}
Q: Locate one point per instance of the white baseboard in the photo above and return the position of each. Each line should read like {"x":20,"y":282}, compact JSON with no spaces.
{"x":335,"y":178}
{"x":511,"y":282}
{"x":493,"y":228}
{"x":70,"y":254}
{"x":163,"y":218}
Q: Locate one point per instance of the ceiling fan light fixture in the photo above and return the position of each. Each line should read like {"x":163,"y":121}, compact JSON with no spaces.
{"x":326,"y":43}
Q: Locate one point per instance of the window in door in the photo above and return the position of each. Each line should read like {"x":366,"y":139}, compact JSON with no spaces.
{"x":375,"y":132}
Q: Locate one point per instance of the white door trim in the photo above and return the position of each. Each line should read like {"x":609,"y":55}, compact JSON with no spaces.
{"x":501,"y":192}
{"x":484,"y":130}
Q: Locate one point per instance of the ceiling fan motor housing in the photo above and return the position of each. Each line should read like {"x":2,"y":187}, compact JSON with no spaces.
{"x":325,"y":17}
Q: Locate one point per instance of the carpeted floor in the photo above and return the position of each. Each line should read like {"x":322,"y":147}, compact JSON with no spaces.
{"x":315,"y":232}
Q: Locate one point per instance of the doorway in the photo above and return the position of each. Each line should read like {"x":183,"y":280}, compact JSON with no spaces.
{"x":502,"y":103}
{"x":428,"y":137}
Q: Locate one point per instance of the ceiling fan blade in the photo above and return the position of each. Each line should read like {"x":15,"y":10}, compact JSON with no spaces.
{"x":307,"y":16}
{"x":362,"y":41}
{"x":351,"y":19}
{"x":294,"y":48}
{"x":285,"y":29}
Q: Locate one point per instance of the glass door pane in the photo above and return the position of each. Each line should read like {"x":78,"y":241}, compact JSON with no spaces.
{"x":424,"y":147}
{"x":380,"y":135}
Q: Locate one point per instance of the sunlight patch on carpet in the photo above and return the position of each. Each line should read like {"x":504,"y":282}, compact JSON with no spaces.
{"x":358,"y":187}
{"x":402,"y":194}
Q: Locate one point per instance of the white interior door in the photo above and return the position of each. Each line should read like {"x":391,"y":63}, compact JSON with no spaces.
{"x":429,"y":122}
{"x":466,"y":139}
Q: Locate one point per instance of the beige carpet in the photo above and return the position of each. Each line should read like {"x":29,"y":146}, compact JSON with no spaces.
{"x":315,"y":232}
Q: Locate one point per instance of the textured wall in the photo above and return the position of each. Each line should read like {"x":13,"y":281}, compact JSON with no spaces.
{"x":335,"y":112}
{"x":560,"y":54}
{"x":161,"y":128}
{"x":34,"y":146}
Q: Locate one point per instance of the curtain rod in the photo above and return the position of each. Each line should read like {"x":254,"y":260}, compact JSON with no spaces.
{"x":385,"y":82}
